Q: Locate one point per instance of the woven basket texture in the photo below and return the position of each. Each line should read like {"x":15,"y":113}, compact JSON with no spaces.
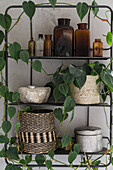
{"x":37,"y":132}
{"x":89,"y":93}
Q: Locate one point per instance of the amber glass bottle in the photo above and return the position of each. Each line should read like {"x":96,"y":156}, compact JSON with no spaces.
{"x":97,"y":48}
{"x":31,"y":47}
{"x":82,"y":40}
{"x":63,"y":38}
{"x":48,"y":45}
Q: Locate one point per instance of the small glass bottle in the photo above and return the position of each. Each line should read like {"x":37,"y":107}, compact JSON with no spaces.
{"x":31,"y":47}
{"x":63,"y":38}
{"x":48,"y":45}
{"x":98,"y":48}
{"x":82,"y":40}
{"x":39,"y":45}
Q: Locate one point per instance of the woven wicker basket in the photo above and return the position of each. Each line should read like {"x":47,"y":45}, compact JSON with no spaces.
{"x":37,"y":131}
{"x":89,"y":93}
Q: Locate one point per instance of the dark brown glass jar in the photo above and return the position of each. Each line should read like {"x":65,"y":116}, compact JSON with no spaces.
{"x":97,"y":48}
{"x":48,"y":45}
{"x":63,"y":38}
{"x":31,"y":47}
{"x":82,"y":40}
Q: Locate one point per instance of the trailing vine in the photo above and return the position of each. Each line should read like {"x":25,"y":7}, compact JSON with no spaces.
{"x":60,"y":89}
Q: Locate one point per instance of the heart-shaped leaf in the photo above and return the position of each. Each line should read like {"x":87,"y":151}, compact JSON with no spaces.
{"x":53,"y":3}
{"x":15,"y":96}
{"x":2,"y":63}
{"x":5,"y":21}
{"x":57,"y":94}
{"x":48,"y":164}
{"x":12,"y":153}
{"x":40,"y":159}
{"x":109,"y":38}
{"x":72,"y":156}
{"x":11,"y":111}
{"x":77,"y":148}
{"x":6,"y":126}
{"x":17,"y":125}
{"x":69,"y":104}
{"x":1,"y":37}
{"x":82,"y":9}
{"x":63,"y":88}
{"x":66,"y":140}
{"x":24,"y":56}
{"x":29,"y":8}
{"x":14,"y":50}
{"x":51,"y":154}
{"x":95,"y":10}
{"x":37,"y":65}
{"x":3,"y":91}
{"x":3,"y":139}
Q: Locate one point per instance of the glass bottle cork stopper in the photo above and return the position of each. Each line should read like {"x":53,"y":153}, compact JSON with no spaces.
{"x":97,"y":40}
{"x":40,"y":36}
{"x":48,"y":37}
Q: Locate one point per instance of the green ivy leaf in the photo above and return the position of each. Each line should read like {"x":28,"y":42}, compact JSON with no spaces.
{"x":40,"y":159}
{"x":66,"y":140}
{"x":53,"y":3}
{"x":22,"y":161}
{"x":76,"y":148}
{"x":98,"y":67}
{"x":1,"y":37}
{"x":48,"y":164}
{"x":37,"y":65}
{"x":87,"y":69}
{"x":63,"y":88}
{"x":13,"y":140}
{"x":69,"y":104}
{"x":95,"y":10}
{"x":9,"y":96}
{"x":4,"y":139}
{"x":27,"y":109}
{"x":2,"y":63}
{"x":51,"y":154}
{"x":12,"y":167}
{"x":57,"y":94}
{"x":2,"y":153}
{"x":59,"y":115}
{"x":24,"y":56}
{"x":3,"y":91}
{"x":109,"y":38}
{"x":14,"y":50}
{"x":111,"y":148}
{"x":107,"y":78}
{"x":68,"y":78}
{"x":15,"y":96}
{"x":72,"y":116}
{"x":96,"y":163}
{"x":82,"y":9}
{"x":75,"y":71}
{"x":11,"y":111}
{"x":72,"y":156}
{"x":17,"y":125}
{"x":6,"y":126}
{"x":12,"y":153}
{"x":29,"y":8}
{"x":57,"y":78}
{"x":28,"y":159}
{"x":5,"y":21}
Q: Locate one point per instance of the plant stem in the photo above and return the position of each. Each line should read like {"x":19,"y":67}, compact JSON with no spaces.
{"x":46,"y":72}
{"x":63,"y":163}
{"x":16,"y":22}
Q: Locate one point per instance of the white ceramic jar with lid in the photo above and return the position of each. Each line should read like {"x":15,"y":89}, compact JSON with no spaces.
{"x":89,"y":138}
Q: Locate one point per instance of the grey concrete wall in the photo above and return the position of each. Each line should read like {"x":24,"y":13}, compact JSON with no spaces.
{"x":44,"y":22}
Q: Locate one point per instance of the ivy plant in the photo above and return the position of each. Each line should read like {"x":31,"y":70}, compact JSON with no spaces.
{"x":62,"y":78}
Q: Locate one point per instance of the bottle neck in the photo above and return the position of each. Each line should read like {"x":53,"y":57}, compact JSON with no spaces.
{"x":64,"y":22}
{"x":82,"y":26}
{"x":97,"y":40}
{"x":48,"y":37}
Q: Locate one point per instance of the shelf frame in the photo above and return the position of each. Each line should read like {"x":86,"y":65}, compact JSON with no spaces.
{"x":63,"y":58}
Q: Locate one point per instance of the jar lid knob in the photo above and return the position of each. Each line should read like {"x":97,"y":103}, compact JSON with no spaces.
{"x":31,"y":87}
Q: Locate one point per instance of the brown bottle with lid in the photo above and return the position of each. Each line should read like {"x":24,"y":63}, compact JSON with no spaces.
{"x":98,"y":48}
{"x":82,"y":40}
{"x":63,"y":38}
{"x":48,"y":45}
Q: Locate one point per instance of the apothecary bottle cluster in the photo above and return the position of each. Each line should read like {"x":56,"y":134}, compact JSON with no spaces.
{"x":66,"y":42}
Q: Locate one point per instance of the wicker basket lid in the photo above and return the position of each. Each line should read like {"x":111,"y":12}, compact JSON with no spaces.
{"x":88,"y":131}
